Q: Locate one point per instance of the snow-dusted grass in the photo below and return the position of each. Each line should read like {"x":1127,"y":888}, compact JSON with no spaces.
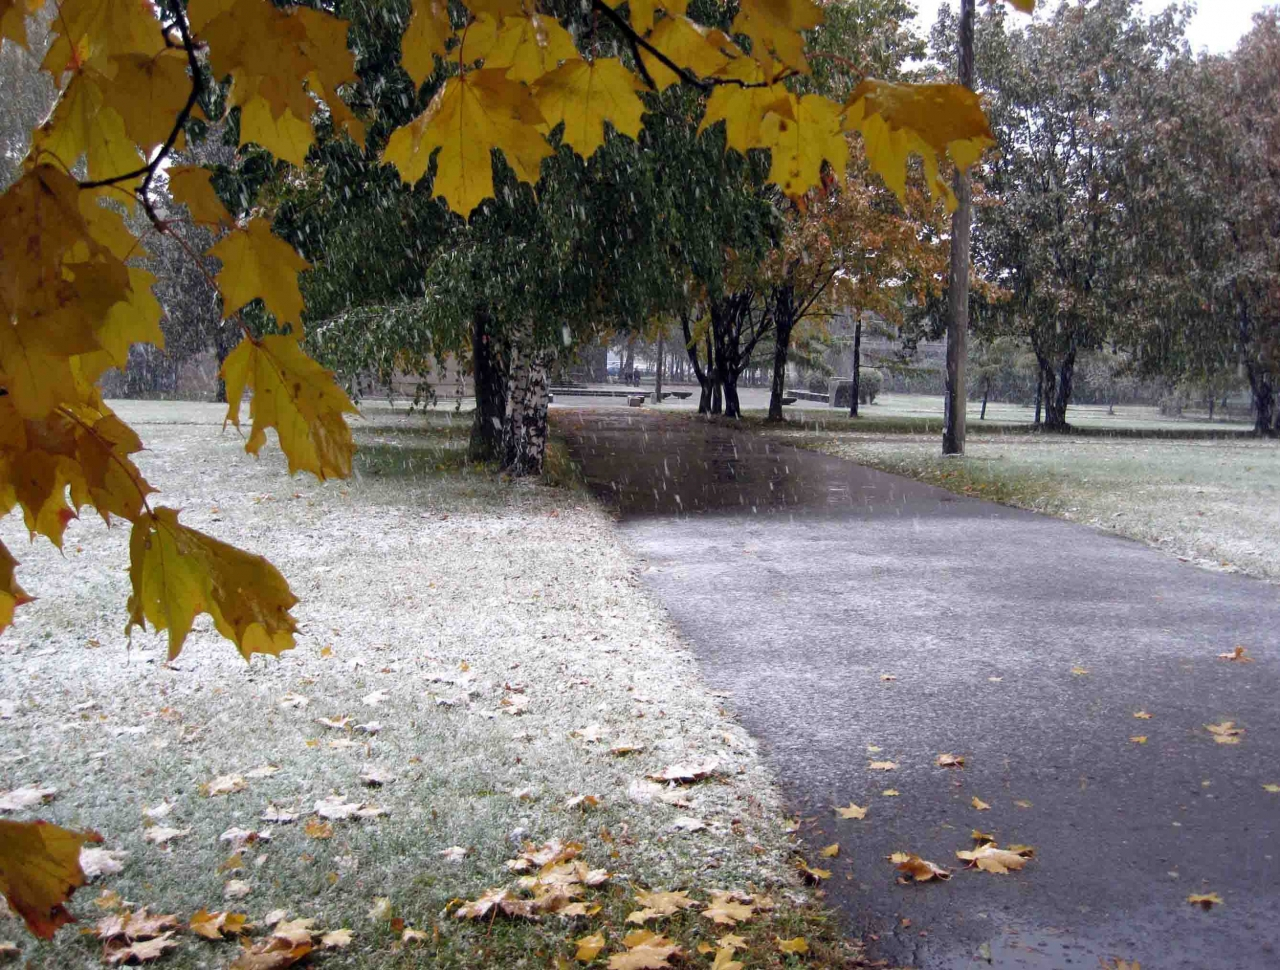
{"x":436,"y":598}
{"x":1215,"y":501}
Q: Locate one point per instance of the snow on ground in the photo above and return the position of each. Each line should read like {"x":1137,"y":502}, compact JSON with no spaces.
{"x":1216,"y":502}
{"x":491,"y":637}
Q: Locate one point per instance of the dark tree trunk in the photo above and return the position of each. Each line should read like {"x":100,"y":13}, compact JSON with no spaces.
{"x":1212,"y":402}
{"x":628,"y":362}
{"x":713,"y":376}
{"x":958,"y":288}
{"x":490,"y":388}
{"x":1039,"y":395}
{"x":225,"y":339}
{"x":704,"y":377}
{"x":1058,"y":397}
{"x":657,"y":388}
{"x":856,"y":389}
{"x":1264,"y":402}
{"x":986,"y":392}
{"x":784,"y":323}
{"x":524,"y":425}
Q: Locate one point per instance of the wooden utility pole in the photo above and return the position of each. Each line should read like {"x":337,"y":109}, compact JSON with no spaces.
{"x":961,"y":235}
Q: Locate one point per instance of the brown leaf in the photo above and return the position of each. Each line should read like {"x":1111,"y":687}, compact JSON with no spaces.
{"x":141,"y":952}
{"x":683,"y":774}
{"x":949,"y":761}
{"x":990,"y":858}
{"x":224,"y":785}
{"x":1225,"y":733}
{"x":270,"y":954}
{"x":921,"y":870}
{"x":1239,"y":655}
{"x":213,"y":926}
{"x":883,"y":765}
{"x":21,"y":799}
{"x":1205,"y":900}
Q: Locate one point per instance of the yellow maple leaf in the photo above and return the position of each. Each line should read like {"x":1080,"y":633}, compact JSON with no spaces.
{"x":282,"y":133}
{"x":468,"y":117}
{"x":39,"y":870}
{"x":177,"y":573}
{"x":11,"y":594}
{"x":190,"y":185}
{"x":727,"y":911}
{"x":297,"y":397}
{"x":852,"y":811}
{"x":589,"y":947}
{"x":258,"y":263}
{"x":812,"y":873}
{"x":799,"y":139}
{"x":990,"y":858}
{"x":642,"y":11}
{"x":774,"y":27}
{"x":586,"y":94}
{"x":148,"y":93}
{"x":929,"y":120}
{"x":92,"y":32}
{"x":724,"y":960}
{"x":831,"y":851}
{"x":83,"y":125}
{"x":645,"y":951}
{"x":683,"y":42}
{"x":797,"y":945}
{"x":529,"y":47}
{"x":743,"y":106}
{"x":979,"y":804}
{"x":921,"y":870}
{"x":13,"y":14}
{"x":1225,"y":733}
{"x":426,"y":38}
{"x":1205,"y":900}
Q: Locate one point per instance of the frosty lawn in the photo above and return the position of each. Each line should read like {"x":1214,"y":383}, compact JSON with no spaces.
{"x":482,"y":644}
{"x":1215,"y":501}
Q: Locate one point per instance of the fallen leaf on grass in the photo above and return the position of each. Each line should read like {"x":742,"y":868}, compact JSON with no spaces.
{"x":831,"y":851}
{"x":293,"y":700}
{"x":549,"y":853}
{"x":882,"y":765}
{"x":727,"y":911}
{"x":335,"y":939}
{"x":515,"y":704}
{"x":335,"y":808}
{"x":294,"y":931}
{"x":921,"y":870}
{"x":214,"y":926}
{"x":157,"y":812}
{"x":141,"y":925}
{"x":21,"y":799}
{"x":582,"y":801}
{"x":799,"y":945}
{"x":101,"y":862}
{"x":811,"y":873}
{"x":1205,"y":900}
{"x":455,"y":853}
{"x":1239,"y":655}
{"x":270,"y":954}
{"x":410,"y":935}
{"x":645,"y":951}
{"x":656,"y":904}
{"x":1225,"y":733}
{"x":280,"y":816}
{"x":223,"y":785}
{"x":162,"y":835}
{"x":852,"y":811}
{"x":687,"y":823}
{"x":316,"y":829}
{"x":618,"y":750}
{"x":266,"y":771}
{"x":990,"y":858}
{"x":979,"y":804}
{"x":338,"y":724}
{"x":686,"y":773}
{"x":949,"y":761}
{"x":724,"y":960}
{"x":589,"y":947}
{"x":237,"y":889}
{"x":1139,"y":739}
{"x":141,"y":952}
{"x":376,"y":698}
{"x":375,"y":776}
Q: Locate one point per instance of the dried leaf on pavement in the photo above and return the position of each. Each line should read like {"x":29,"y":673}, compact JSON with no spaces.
{"x":852,"y":811}
{"x":1225,"y":733}
{"x":990,"y":858}
{"x":1205,"y":900}
{"x":921,"y":870}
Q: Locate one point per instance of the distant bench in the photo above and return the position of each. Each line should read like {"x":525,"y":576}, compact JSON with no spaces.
{"x":809,"y":396}
{"x":571,"y":391}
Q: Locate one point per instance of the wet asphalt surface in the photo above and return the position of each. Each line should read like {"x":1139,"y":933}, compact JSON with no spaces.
{"x":802,"y":580}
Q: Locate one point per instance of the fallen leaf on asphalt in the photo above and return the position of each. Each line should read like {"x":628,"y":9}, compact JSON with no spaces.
{"x":990,"y":858}
{"x":142,"y":952}
{"x":882,"y":765}
{"x":995,"y":680}
{"x":1225,"y":733}
{"x":831,"y":851}
{"x":213,"y":926}
{"x":1118,"y":964}
{"x":980,"y":836}
{"x":921,"y":870}
{"x":1079,"y":671}
{"x":645,"y":951}
{"x":224,"y":785}
{"x":686,"y":773}
{"x":799,"y":945}
{"x":23,"y":798}
{"x":724,"y":960}
{"x":316,"y":829}
{"x":1274,"y":789}
{"x":1022,"y":803}
{"x":1205,"y":900}
{"x":852,"y":811}
{"x":874,"y":749}
{"x":979,"y":804}
{"x":891,"y":793}
{"x":811,"y":873}
{"x":949,"y":761}
{"x":888,"y":677}
{"x":101,"y":862}
{"x":1139,"y":739}
{"x":589,"y":947}
{"x":236,"y":889}
{"x":1142,"y":716}
{"x":335,"y":939}
{"x":162,"y":835}
{"x":1239,"y":655}
{"x":724,"y":910}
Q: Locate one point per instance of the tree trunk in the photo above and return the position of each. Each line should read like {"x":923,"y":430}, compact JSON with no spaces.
{"x":958,"y":290}
{"x":628,"y":362}
{"x":490,"y":389}
{"x":1059,"y":396}
{"x":704,"y":377}
{"x":657,"y":387}
{"x":783,"y":325}
{"x":1039,"y":395}
{"x":524,"y":430}
{"x":1264,"y":402}
{"x":856,"y":389}
{"x":714,"y":377}
{"x":986,"y":392}
{"x":1212,"y":402}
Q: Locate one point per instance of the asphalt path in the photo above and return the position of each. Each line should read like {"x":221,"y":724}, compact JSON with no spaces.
{"x":1024,"y":644}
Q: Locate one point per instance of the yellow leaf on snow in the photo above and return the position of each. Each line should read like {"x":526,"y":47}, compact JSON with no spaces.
{"x":929,"y":120}
{"x":529,"y":47}
{"x":800,"y":139}
{"x":774,"y":27}
{"x":39,"y":870}
{"x":297,"y":397}
{"x":470,"y":116}
{"x":584,"y":95}
{"x":589,"y":947}
{"x":11,"y":594}
{"x":426,"y":38}
{"x":177,"y":573}
{"x":258,"y":263}
{"x":190,"y":185}
{"x":990,"y":858}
